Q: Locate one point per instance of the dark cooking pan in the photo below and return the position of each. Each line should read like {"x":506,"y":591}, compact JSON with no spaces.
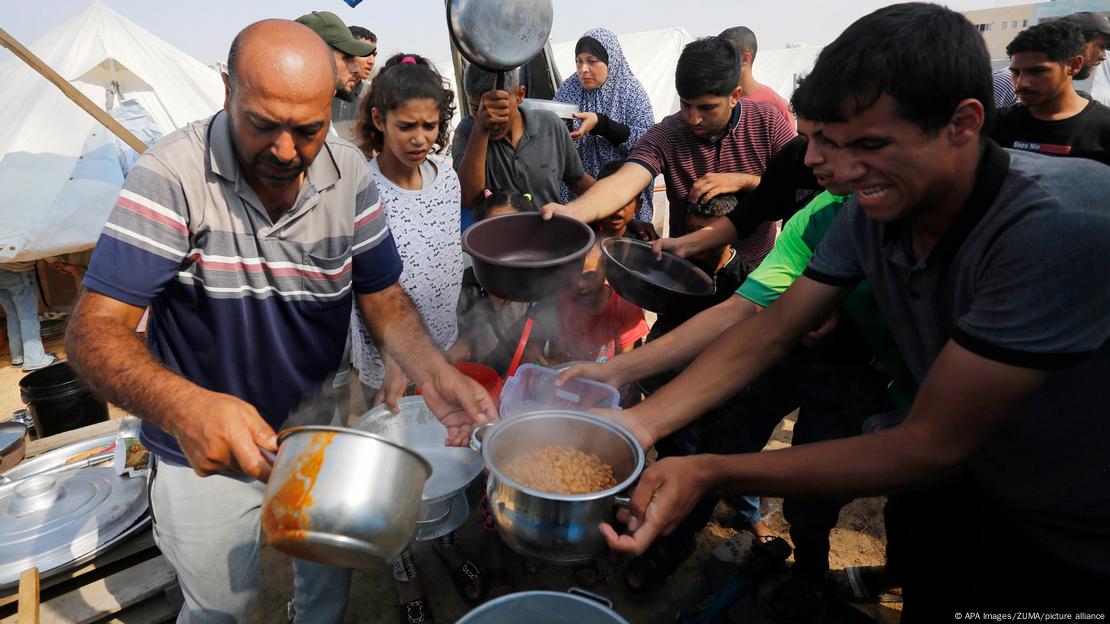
{"x":499,"y":35}
{"x":655,"y":285}
{"x":521,"y":257}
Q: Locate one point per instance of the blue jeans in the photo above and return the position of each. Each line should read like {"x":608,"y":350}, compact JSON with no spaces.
{"x":17,"y":296}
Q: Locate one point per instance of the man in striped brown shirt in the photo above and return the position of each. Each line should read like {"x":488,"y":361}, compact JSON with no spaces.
{"x":714,"y":145}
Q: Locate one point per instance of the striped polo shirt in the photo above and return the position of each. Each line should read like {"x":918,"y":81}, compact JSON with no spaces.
{"x":756,"y":132}
{"x":240,"y":304}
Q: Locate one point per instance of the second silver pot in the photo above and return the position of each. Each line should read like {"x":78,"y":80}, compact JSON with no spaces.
{"x":342,"y":497}
{"x":556,"y":527}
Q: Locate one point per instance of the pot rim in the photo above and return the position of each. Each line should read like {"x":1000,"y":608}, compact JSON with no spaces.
{"x":529,"y":264}
{"x":637,"y":452}
{"x":285,"y":433}
{"x":491,"y":606}
{"x":609,"y":243}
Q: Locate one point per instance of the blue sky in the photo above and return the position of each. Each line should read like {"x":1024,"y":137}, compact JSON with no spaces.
{"x":204,"y":28}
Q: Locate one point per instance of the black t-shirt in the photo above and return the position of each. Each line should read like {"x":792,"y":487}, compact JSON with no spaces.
{"x":786,"y":186}
{"x":1085,"y":135}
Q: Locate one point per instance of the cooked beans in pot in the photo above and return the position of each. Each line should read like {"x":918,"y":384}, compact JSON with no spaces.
{"x":561,"y":471}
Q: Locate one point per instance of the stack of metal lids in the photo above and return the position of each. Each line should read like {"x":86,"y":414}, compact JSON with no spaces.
{"x":52,"y":518}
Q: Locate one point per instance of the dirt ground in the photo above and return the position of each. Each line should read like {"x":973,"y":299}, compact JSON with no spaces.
{"x":859,"y":539}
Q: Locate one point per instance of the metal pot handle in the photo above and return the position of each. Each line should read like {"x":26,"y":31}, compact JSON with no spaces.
{"x":622,"y":501}
{"x":475,"y":439}
{"x":441,"y":518}
{"x":592,"y":596}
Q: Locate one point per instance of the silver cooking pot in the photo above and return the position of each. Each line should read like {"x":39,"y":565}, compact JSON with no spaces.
{"x":342,"y":497}
{"x":454,"y":489}
{"x":576,"y":606}
{"x":556,"y":527}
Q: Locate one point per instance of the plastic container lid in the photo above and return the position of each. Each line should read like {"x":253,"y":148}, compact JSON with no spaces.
{"x":533,"y":388}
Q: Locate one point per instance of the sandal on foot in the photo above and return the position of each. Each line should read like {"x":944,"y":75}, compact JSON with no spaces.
{"x":466,"y":576}
{"x":416,"y":612}
{"x":656,"y":565}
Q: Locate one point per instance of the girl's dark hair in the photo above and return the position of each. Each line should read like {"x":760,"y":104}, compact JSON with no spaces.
{"x":404,"y":77}
{"x":497,"y":199}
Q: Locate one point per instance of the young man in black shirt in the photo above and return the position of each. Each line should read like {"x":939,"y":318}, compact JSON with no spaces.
{"x":1052,"y":118}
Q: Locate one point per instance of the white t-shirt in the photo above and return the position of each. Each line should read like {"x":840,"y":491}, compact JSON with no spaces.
{"x":1100,"y":84}
{"x":425,"y":227}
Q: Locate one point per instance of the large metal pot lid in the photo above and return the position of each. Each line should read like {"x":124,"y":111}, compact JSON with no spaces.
{"x":416,"y":428}
{"x":50,"y":520}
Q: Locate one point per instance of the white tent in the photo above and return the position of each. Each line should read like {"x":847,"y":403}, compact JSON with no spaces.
{"x":42,"y":133}
{"x":781,"y":69}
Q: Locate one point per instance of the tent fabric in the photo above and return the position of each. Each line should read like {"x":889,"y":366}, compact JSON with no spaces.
{"x":43,"y":133}
{"x":781,"y":69}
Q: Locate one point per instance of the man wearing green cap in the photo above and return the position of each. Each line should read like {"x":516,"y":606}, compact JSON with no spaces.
{"x":344,"y":46}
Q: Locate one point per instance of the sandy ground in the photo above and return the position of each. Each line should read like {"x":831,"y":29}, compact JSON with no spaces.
{"x":859,"y":539}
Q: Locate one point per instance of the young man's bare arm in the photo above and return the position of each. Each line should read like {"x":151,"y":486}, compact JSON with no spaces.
{"x":738,"y":357}
{"x":472,"y":171}
{"x":718,"y":233}
{"x":672,"y":350}
{"x":963,"y":401}
{"x":605,"y":196}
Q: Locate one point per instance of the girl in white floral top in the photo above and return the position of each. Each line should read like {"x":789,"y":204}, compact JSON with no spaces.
{"x":404,"y":119}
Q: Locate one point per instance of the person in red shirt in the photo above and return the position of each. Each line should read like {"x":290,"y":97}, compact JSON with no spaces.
{"x":743,"y":39}
{"x":595,"y":323}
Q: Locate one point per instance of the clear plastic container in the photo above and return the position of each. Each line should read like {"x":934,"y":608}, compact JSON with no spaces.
{"x":533,"y":388}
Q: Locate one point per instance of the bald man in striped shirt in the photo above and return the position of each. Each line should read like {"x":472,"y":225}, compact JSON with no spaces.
{"x":247,"y":235}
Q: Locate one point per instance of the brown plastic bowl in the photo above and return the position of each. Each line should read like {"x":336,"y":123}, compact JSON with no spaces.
{"x":521,"y":257}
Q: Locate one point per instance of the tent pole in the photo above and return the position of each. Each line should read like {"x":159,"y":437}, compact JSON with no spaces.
{"x":457,"y":64}
{"x":71,"y":91}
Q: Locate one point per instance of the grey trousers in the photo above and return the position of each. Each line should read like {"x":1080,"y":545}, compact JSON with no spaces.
{"x":209,"y":530}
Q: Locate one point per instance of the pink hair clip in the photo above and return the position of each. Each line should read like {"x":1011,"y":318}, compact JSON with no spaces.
{"x":487,"y":193}
{"x":409,"y":59}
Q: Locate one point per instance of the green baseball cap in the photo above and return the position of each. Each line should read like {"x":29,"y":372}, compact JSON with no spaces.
{"x":332,"y":30}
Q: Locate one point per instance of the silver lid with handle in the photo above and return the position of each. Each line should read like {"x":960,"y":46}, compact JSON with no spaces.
{"x":47,"y":521}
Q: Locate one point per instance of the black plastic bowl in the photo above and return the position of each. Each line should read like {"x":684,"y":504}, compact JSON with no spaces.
{"x":655,"y":285}
{"x":521,"y":257}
